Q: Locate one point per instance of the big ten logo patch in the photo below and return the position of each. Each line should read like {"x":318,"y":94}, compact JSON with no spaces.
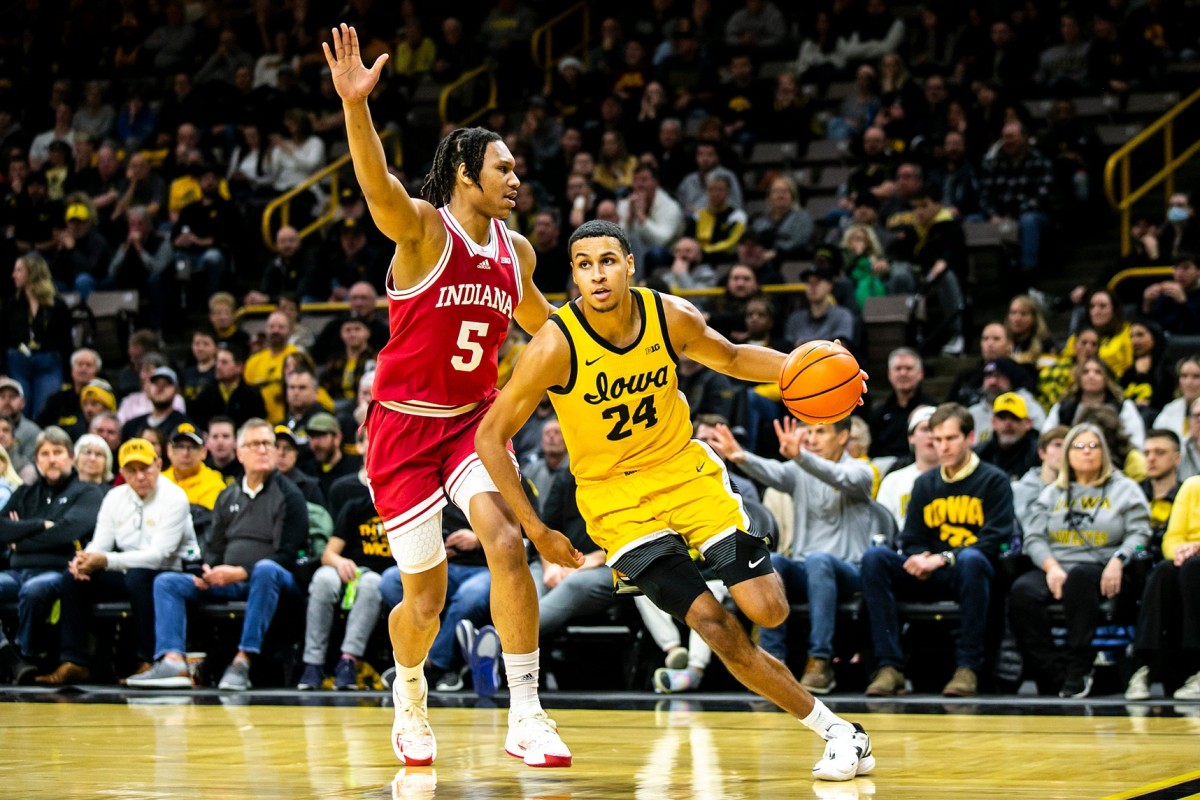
{"x":374,"y":538}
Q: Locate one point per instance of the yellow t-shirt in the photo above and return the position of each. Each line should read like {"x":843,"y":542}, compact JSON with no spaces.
{"x":202,"y":488}
{"x":264,"y":370}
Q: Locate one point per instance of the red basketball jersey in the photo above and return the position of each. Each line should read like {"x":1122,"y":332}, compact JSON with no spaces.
{"x":446,"y":331}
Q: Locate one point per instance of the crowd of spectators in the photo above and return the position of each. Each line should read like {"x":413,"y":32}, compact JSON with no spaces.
{"x":142,"y":160}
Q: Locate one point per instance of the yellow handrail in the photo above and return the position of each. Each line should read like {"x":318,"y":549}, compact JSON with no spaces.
{"x":1138,"y":272}
{"x":544,"y":56}
{"x":463,"y":80}
{"x":1121,"y":160}
{"x":283,"y":202}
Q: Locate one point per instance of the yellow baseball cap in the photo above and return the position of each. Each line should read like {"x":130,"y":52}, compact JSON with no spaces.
{"x":139,"y":450}
{"x":1012,"y":403}
{"x":78,"y":211}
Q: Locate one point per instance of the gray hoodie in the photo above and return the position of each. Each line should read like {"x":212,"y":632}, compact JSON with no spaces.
{"x":832,"y":502}
{"x":1025,"y":492}
{"x":1101,"y":521}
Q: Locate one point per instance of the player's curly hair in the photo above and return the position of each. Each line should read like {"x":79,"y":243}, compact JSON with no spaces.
{"x":465,"y":146}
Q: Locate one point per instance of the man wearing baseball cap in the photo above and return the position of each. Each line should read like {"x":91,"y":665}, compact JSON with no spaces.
{"x":896,"y":489}
{"x":12,"y":406}
{"x":161,"y":390}
{"x":144,"y":527}
{"x":1013,"y":446}
{"x":63,"y":407}
{"x":328,"y":463}
{"x":83,"y":254}
{"x":199,"y":481}
{"x":1003,"y":375}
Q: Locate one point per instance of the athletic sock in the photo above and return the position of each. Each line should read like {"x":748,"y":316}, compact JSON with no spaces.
{"x":522,"y":671}
{"x":409,"y":680}
{"x":825,"y":723}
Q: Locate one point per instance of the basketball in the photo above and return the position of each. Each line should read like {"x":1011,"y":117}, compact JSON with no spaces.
{"x":821,"y":382}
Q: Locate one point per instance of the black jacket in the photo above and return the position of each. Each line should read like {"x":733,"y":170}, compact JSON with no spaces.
{"x":72,"y":506}
{"x":273,"y":524}
{"x":49,"y":331}
{"x":244,"y":402}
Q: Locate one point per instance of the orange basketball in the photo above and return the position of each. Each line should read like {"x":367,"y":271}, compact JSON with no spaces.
{"x":820,"y":382}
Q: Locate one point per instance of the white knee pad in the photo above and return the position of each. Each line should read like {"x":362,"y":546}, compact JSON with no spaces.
{"x":419,"y":548}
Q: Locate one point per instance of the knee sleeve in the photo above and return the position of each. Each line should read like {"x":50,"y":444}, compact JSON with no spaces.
{"x":419,"y":548}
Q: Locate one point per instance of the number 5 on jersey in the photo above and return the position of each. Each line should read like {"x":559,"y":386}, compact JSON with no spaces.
{"x":645,"y":414}
{"x":470,"y":338}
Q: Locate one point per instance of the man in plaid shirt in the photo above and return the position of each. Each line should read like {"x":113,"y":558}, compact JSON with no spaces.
{"x":1018,"y":187}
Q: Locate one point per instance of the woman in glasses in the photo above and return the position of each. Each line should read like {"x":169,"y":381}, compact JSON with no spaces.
{"x":1082,"y":531}
{"x":1094,"y":384}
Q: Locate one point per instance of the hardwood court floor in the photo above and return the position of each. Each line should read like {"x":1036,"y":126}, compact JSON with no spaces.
{"x":196,"y":747}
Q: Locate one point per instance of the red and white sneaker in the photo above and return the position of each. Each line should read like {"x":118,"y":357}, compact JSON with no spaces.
{"x":412,"y":737}
{"x":535,"y":740}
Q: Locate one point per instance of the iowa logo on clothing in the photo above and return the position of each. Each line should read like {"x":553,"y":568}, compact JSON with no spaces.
{"x":485,"y":264}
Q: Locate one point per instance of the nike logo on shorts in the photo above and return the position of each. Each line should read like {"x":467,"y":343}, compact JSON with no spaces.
{"x":754,"y":564}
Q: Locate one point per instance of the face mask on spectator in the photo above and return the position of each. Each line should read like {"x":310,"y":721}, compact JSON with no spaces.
{"x":1177,"y":215}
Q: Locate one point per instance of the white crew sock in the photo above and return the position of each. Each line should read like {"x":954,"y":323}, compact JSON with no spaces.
{"x":825,"y":723}
{"x":409,"y":679}
{"x":522,"y":671}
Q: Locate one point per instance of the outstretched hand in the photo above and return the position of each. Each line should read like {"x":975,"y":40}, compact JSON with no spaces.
{"x":351,"y":78}
{"x":792,"y":437}
{"x":725,"y":444}
{"x":556,"y":548}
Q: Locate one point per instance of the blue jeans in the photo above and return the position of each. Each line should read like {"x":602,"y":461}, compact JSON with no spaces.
{"x":1030,"y":227}
{"x":174,"y":590}
{"x":40,"y":375}
{"x":468,"y":596}
{"x":969,"y":582}
{"x":823,"y":580}
{"x":211,"y":262}
{"x":35,"y":591}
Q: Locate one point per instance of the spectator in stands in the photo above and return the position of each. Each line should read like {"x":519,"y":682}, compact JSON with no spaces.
{"x":42,"y":526}
{"x":37,"y":333}
{"x":141,"y":263}
{"x":1174,"y":416}
{"x":1013,"y":444}
{"x":687,"y":73}
{"x":295,"y":156}
{"x":994,"y":344}
{"x":12,"y":406}
{"x":1105,"y":314}
{"x":95,"y":117}
{"x":342,"y":373}
{"x":651,"y":217}
{"x":889,"y":420}
{"x":260,"y":525}
{"x":820,"y":317}
{"x":1074,"y":150}
{"x":878,"y":33}
{"x":36,"y":217}
{"x":1147,"y":382}
{"x":63,"y":407}
{"x":264,"y":369}
{"x":200,"y":374}
{"x":857,"y":111}
{"x":1115,"y":63}
{"x":707,"y":391}
{"x":106,"y":425}
{"x":82,"y":260}
{"x":760,"y":326}
{"x":693,"y":189}
{"x":670,"y":154}
{"x":141,"y":188}
{"x":784,"y":228}
{"x":171,"y":44}
{"x":142,"y":528}
{"x":689,"y":270}
{"x":1093,"y":384}
{"x":895,"y":491}
{"x":350,"y":260}
{"x":288,"y":271}
{"x":199,"y":481}
{"x":1128,"y":458}
{"x":142,"y":350}
{"x":1177,"y":237}
{"x":717,"y":226}
{"x":758,"y":25}
{"x":101,"y":184}
{"x":832,"y":527}
{"x":1189,"y":464}
{"x":1032,"y":345}
{"x":1003,"y":376}
{"x":288,"y":452}
{"x":954,"y":172}
{"x":227,"y":395}
{"x":94,"y":460}
{"x":819,"y":60}
{"x":1082,"y":531}
{"x":1038,"y":477}
{"x":220,"y":440}
{"x":1063,"y":68}
{"x":1167,"y":623}
{"x":329,"y":461}
{"x":550,"y":461}
{"x":63,"y":131}
{"x":1175,"y":304}
{"x":1162,"y":482}
{"x":352,"y":564}
{"x":205,"y":235}
{"x":162,"y":390}
{"x":1018,"y":189}
{"x":959,"y":515}
{"x":10,"y":479}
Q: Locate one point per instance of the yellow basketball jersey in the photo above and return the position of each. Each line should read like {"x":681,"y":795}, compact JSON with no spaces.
{"x":621,"y":410}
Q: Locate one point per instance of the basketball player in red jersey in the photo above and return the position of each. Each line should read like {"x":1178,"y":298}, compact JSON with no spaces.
{"x":457,"y":276}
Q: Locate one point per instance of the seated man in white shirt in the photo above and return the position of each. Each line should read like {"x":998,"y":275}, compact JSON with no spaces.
{"x":144,"y":527}
{"x":896,"y":489}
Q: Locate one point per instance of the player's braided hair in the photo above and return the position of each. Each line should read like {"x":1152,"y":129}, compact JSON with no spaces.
{"x":463,"y":146}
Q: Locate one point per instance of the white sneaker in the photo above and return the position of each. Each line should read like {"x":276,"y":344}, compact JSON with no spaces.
{"x":845,"y":757}
{"x":535,"y":739}
{"x":412,"y":737}
{"x":1139,"y":685}
{"x":1190,"y":689}
{"x":954,"y":347}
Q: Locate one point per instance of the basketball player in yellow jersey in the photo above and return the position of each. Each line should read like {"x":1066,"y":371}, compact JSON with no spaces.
{"x":647,"y":490}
